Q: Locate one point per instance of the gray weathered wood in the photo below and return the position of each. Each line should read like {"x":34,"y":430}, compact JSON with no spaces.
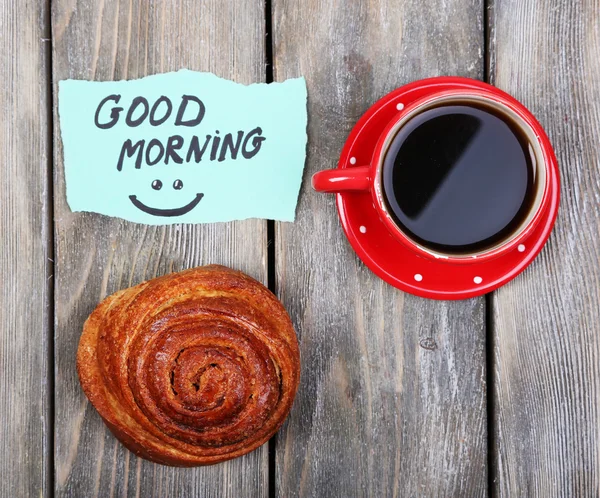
{"x":547,"y":322}
{"x":95,"y":255}
{"x":392,"y":400}
{"x":25,"y":249}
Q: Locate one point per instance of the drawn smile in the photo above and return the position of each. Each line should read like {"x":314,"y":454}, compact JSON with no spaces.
{"x":166,"y":212}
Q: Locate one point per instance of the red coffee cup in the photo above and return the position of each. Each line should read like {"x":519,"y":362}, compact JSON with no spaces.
{"x":368,"y":177}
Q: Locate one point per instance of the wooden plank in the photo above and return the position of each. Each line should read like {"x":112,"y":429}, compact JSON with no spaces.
{"x":547,"y":322}
{"x":112,"y":40}
{"x":392,"y":399}
{"x":25,"y":250}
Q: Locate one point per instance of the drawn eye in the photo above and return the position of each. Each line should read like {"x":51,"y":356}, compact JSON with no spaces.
{"x":177,"y":184}
{"x":156,"y":184}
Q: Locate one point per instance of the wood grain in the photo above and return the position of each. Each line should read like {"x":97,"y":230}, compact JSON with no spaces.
{"x":392,"y":399}
{"x":547,"y":322}
{"x":25,"y":250}
{"x":96,"y":255}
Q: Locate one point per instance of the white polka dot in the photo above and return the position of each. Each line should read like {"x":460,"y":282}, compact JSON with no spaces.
{"x":399,"y":106}
{"x":363,"y":229}
{"x":478,"y":280}
{"x":353,"y":160}
{"x":418,"y":277}
{"x":521,"y":248}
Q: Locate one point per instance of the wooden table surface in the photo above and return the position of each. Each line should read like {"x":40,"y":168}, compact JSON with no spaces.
{"x":400,"y":396}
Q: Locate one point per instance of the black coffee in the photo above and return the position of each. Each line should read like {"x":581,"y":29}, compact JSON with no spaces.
{"x":459,"y":178}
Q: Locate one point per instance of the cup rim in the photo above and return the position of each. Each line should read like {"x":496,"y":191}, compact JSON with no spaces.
{"x":506,"y":104}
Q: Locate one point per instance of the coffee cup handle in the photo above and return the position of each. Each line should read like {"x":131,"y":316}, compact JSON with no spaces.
{"x":342,"y":180}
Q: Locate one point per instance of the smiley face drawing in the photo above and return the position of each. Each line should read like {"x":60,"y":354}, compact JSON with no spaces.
{"x":157,"y":185}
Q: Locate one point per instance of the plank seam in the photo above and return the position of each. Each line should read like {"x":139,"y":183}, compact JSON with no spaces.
{"x":272,"y":445}
{"x":489,"y":300}
{"x":51,"y":250}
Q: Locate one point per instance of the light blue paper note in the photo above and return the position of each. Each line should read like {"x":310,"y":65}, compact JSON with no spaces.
{"x":203,"y":149}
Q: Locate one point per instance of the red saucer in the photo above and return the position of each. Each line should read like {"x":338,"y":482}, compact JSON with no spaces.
{"x":391,"y":260}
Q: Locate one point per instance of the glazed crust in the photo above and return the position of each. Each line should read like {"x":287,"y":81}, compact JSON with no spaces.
{"x":192,"y":368}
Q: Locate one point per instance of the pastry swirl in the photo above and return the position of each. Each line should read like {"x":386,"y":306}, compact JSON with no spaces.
{"x":192,"y":368}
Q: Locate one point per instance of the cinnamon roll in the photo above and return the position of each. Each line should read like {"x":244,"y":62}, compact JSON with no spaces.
{"x":192,"y":368}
